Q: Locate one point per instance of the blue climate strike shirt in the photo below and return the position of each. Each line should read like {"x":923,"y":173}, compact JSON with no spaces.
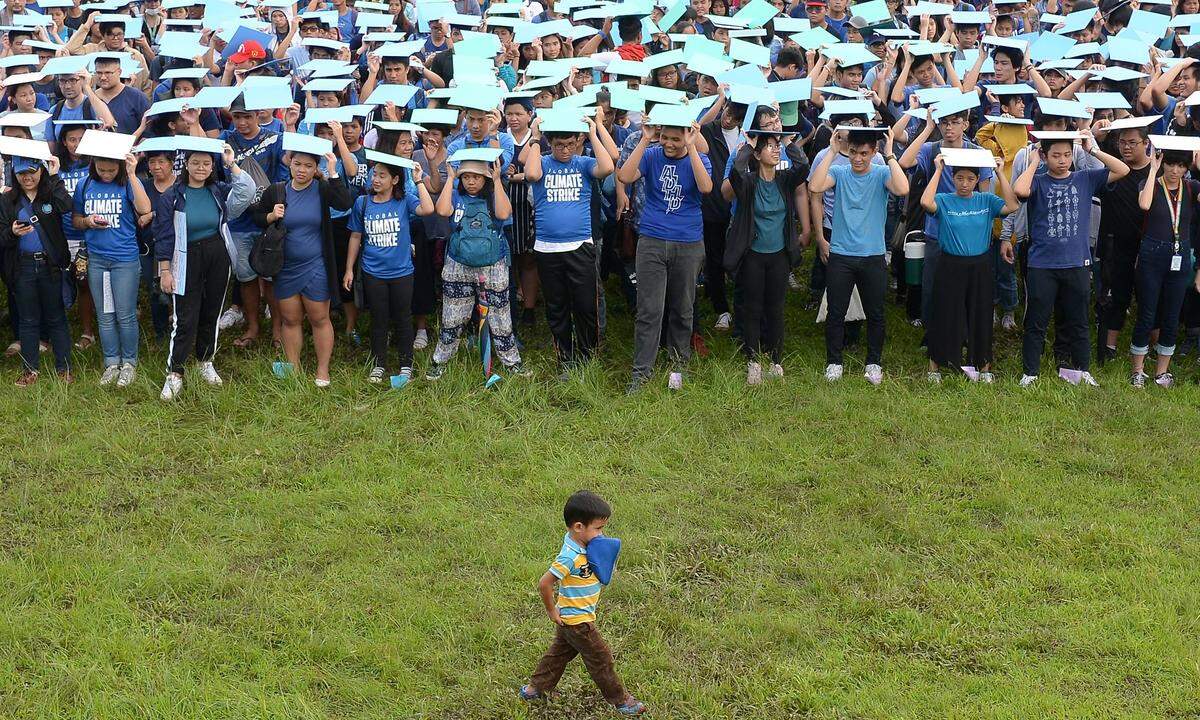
{"x":114,"y":202}
{"x":672,"y":209}
{"x":386,"y":244}
{"x":562,"y":200}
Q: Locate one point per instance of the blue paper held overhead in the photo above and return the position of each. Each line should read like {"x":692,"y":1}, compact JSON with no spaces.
{"x":434,"y":116}
{"x":400,"y":95}
{"x":1128,"y":50}
{"x":872,"y":13}
{"x":388,"y":159}
{"x":1152,"y":23}
{"x":566,"y":120}
{"x":814,"y":38}
{"x":216,"y":97}
{"x":184,"y":143}
{"x":1077,"y":21}
{"x":791,"y":90}
{"x":483,"y":154}
{"x":308,"y":144}
{"x":1103,"y":100}
{"x":744,"y":75}
{"x":672,"y":15}
{"x":672,"y":116}
{"x":757,"y":13}
{"x":181,"y":45}
{"x":243,"y":35}
{"x":1062,"y":108}
{"x":954,"y":105}
{"x":848,"y":107}
{"x":1050,"y":46}
{"x":274,"y":96}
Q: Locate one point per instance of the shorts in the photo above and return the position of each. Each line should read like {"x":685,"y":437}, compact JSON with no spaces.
{"x":244,"y":241}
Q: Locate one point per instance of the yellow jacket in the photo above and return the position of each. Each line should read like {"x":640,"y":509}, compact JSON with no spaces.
{"x":1004,"y":140}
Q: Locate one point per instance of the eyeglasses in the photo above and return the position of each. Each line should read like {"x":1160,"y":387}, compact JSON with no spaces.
{"x":1131,"y":143}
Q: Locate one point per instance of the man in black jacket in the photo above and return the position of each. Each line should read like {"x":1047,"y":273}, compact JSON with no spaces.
{"x":724,"y":136}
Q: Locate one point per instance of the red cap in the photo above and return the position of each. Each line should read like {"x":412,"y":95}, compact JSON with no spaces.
{"x":822,"y":3}
{"x":249,"y":50}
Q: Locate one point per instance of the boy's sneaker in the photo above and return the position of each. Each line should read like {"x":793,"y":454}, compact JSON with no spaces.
{"x":753,"y":373}
{"x":934,"y":377}
{"x":435,"y":371}
{"x":1138,"y":380}
{"x":209,"y":373}
{"x":675,"y":381}
{"x":127,"y":375}
{"x":109,"y":376}
{"x":793,"y":283}
{"x":421,"y":339}
{"x":833,"y":373}
{"x":27,"y":378}
{"x":172,"y":387}
{"x":375,"y":377}
{"x":1164,"y":380}
{"x":987,"y":377}
{"x":723,"y":321}
{"x":527,"y":693}
{"x":519,"y":370}
{"x":229,"y":318}
{"x":631,"y":706}
{"x":1008,"y":322}
{"x":874,"y":374}
{"x":775,"y":371}
{"x":1027,"y":380}
{"x":1085,"y":378}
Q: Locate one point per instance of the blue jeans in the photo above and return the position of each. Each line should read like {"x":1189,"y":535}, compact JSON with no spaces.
{"x":1160,"y":295}
{"x":118,"y":329}
{"x":1006,"y":281}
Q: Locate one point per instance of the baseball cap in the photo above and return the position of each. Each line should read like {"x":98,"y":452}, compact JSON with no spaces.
{"x":24,"y":164}
{"x":249,"y":50}
{"x":814,"y":3}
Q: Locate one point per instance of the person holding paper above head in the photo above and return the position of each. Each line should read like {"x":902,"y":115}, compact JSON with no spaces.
{"x":566,"y":254}
{"x":670,"y":250}
{"x":1165,"y":266}
{"x":1059,"y":258}
{"x":35,"y":255}
{"x":107,"y":205}
{"x":379,"y":226}
{"x":112,"y":40}
{"x":962,"y":285}
{"x":79,"y":102}
{"x":126,"y":103}
{"x":72,"y":169}
{"x":1154,"y":98}
{"x":195,"y":252}
{"x":309,"y":279}
{"x":854,"y":256}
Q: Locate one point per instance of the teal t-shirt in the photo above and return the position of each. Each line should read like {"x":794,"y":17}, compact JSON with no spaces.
{"x":203,"y":216}
{"x":966,"y":223}
{"x":769,"y":213}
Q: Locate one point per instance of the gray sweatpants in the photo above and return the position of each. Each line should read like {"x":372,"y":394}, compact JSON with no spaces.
{"x":666,"y":282}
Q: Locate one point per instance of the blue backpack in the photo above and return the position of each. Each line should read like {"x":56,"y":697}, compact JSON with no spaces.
{"x":476,"y":240}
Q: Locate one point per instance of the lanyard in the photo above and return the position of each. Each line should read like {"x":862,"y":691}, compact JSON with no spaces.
{"x":1174,"y":207}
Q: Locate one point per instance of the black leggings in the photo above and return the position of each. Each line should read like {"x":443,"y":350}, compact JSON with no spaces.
{"x":763,"y":280}
{"x":390,"y":304}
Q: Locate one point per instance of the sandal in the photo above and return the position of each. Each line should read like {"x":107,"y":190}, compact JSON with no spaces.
{"x":245,"y":341}
{"x":85,"y":341}
{"x":527,"y":693}
{"x":632,"y":706}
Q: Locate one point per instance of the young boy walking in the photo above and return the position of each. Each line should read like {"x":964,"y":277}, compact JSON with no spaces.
{"x":573,"y":611}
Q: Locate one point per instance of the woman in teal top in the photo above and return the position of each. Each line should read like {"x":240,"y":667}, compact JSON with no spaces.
{"x":964,"y":280}
{"x":763,"y":245}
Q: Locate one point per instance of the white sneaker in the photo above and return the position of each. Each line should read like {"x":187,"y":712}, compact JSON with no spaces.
{"x":421,"y":340}
{"x":775,"y":371}
{"x":793,"y":283}
{"x":1027,"y":380}
{"x":675,"y":381}
{"x":934,"y":377}
{"x":127,"y":375}
{"x":231,"y":317}
{"x":110,"y":374}
{"x":321,"y":383}
{"x":874,"y":374}
{"x":172,"y":387}
{"x":987,"y":377}
{"x":1008,"y":322}
{"x":376,"y":375}
{"x":753,"y":373}
{"x":833,"y":372}
{"x":209,"y":373}
{"x":1085,"y":378}
{"x":724,"y":321}
{"x":267,"y":311}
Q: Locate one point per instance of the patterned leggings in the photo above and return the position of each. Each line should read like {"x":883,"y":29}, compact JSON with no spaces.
{"x":460,"y":284}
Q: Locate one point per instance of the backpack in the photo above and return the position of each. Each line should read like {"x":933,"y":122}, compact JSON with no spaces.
{"x":912,"y":220}
{"x":476,"y":240}
{"x":266,"y":257}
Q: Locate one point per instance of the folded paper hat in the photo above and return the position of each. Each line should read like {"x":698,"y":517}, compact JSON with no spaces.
{"x":602,"y":554}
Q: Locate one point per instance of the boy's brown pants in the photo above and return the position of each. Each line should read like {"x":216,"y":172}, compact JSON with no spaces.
{"x":583,"y":640}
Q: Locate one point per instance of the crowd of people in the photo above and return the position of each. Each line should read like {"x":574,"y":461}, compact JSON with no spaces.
{"x":241,"y":167}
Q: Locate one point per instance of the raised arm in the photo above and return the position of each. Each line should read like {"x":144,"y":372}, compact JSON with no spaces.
{"x":631,"y":170}
{"x":897,"y":183}
{"x":1023,"y":187}
{"x":703,"y":180}
{"x":500,"y":201}
{"x":1146,"y":196}
{"x":929,"y":197}
{"x":1117,"y":168}
{"x":531,"y":155}
{"x":820,"y":181}
{"x":909,"y":159}
{"x":604,"y":161}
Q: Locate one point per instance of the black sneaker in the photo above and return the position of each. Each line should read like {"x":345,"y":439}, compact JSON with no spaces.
{"x":635,"y":386}
{"x":520,"y":370}
{"x":1106,"y":353}
{"x":435,"y":371}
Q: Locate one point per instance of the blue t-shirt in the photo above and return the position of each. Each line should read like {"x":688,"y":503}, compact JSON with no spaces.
{"x":386,"y":245}
{"x":72,"y":177}
{"x":966,"y":223}
{"x":302,"y":218}
{"x":114,"y":202}
{"x":562,"y":200}
{"x":34,"y":242}
{"x":1060,"y":213}
{"x":672,"y":209}
{"x":128,"y":108}
{"x":946,"y":181}
{"x":859,"y":210}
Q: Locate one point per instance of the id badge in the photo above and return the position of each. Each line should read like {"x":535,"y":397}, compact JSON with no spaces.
{"x":1176,"y":263}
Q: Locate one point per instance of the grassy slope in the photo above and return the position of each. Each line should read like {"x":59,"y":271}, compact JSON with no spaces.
{"x":796,"y":550}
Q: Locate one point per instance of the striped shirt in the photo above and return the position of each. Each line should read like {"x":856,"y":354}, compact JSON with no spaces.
{"x":578,"y":587}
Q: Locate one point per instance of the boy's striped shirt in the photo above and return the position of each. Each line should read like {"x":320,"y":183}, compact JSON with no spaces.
{"x":578,"y":587}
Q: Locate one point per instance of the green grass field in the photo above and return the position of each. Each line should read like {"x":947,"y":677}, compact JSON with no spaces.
{"x":798,"y":550}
